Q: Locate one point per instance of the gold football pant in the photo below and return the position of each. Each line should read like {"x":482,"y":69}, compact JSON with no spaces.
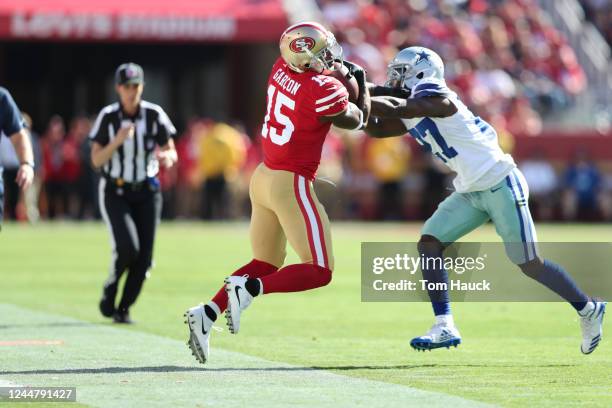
{"x":285,"y":208}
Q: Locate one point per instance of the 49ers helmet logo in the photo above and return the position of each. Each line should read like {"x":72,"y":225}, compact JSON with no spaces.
{"x":302,"y":44}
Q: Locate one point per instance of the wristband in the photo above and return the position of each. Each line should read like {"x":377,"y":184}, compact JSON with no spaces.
{"x":28,"y":163}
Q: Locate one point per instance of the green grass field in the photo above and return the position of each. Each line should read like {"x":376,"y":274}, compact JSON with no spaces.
{"x":318,"y":348}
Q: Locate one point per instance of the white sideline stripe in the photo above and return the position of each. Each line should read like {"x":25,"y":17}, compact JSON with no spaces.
{"x":113,"y":367}
{"x":314,"y":226}
{"x":328,"y":97}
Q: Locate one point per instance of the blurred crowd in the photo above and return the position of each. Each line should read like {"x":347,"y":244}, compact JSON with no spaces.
{"x":504,"y":57}
{"x":359,"y":177}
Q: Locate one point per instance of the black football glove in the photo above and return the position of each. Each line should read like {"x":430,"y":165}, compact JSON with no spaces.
{"x":359,"y":73}
{"x":356,"y":71}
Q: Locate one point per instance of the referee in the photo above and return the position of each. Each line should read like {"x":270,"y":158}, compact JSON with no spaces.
{"x":12,"y":126}
{"x":125,"y":140}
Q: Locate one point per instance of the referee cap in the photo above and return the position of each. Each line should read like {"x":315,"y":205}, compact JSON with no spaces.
{"x":129,"y":73}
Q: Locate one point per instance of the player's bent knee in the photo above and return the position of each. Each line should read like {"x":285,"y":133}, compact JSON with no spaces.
{"x":532,"y":268}
{"x":429,"y":245}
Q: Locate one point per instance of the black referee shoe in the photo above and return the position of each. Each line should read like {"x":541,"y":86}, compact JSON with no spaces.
{"x":107,"y":306}
{"x":122,"y":316}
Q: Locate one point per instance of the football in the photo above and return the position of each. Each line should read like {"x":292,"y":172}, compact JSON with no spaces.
{"x":350,"y":84}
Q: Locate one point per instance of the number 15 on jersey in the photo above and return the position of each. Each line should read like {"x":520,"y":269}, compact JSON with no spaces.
{"x":278,"y":99}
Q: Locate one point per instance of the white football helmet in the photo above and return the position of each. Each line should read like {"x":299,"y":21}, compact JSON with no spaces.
{"x":309,"y":46}
{"x":412,"y":64}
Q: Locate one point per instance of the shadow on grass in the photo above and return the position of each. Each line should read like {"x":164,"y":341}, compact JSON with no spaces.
{"x":169,"y":369}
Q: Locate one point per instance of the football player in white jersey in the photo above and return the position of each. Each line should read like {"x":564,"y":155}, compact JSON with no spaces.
{"x":488,"y":186}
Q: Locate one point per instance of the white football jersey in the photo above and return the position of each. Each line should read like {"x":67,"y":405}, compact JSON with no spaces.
{"x":464,"y":142}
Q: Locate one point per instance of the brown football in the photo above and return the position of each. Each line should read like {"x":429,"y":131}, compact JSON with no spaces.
{"x":350,"y":84}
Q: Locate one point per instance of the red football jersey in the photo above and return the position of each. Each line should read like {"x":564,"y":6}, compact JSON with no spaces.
{"x":292,"y":134}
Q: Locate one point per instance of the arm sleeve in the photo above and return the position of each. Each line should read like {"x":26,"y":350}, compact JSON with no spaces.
{"x":329,"y":96}
{"x":11,"y":121}
{"x":165,"y":128}
{"x":99,"y":130}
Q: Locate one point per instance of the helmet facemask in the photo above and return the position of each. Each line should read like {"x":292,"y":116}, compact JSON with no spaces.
{"x":402,"y":76}
{"x":325,"y":58}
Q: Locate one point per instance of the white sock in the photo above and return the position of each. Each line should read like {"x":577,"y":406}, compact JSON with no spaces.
{"x":587,"y":309}
{"x":446,"y":320}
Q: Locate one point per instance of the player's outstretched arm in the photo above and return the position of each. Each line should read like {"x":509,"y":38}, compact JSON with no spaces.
{"x":431,"y":106}
{"x":351,"y":118}
{"x":381,"y":128}
{"x":381,"y":90}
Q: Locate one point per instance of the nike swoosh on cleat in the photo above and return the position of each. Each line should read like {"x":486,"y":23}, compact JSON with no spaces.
{"x":236,"y":288}
{"x":203,"y":331}
{"x":602,"y":310}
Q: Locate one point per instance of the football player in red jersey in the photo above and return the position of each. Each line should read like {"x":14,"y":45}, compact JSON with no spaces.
{"x":303,"y":101}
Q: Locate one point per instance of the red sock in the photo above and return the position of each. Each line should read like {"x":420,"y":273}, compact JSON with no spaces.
{"x":255,"y":269}
{"x":296,"y":278}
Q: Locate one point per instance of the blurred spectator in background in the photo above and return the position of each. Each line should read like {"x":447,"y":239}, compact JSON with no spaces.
{"x":582,"y":183}
{"x":543,"y":184}
{"x":189,"y":180}
{"x":32,"y":194}
{"x":330,"y":173}
{"x":222,"y":152}
{"x":387,"y":159}
{"x":72,"y":165}
{"x":80,"y":176}
{"x":436,"y":186}
{"x":605,"y":201}
{"x":358,"y":183}
{"x":168,"y":179}
{"x":54,"y":175}
{"x":522,"y":119}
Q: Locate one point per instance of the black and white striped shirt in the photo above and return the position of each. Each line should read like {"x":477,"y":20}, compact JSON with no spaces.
{"x":133,"y":161}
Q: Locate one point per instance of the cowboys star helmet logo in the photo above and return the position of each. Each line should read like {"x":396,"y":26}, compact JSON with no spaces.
{"x":302,"y":44}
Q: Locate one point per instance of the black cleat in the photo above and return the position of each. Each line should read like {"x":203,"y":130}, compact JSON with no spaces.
{"x":107,"y":307}
{"x":123,"y":317}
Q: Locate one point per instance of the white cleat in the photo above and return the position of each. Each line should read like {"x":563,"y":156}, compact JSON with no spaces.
{"x":238,"y":300}
{"x":200,"y":326}
{"x":592,"y":327}
{"x":440,"y":335}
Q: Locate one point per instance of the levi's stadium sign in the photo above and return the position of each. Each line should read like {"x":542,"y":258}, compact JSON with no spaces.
{"x":57,"y":25}
{"x":143,"y":20}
